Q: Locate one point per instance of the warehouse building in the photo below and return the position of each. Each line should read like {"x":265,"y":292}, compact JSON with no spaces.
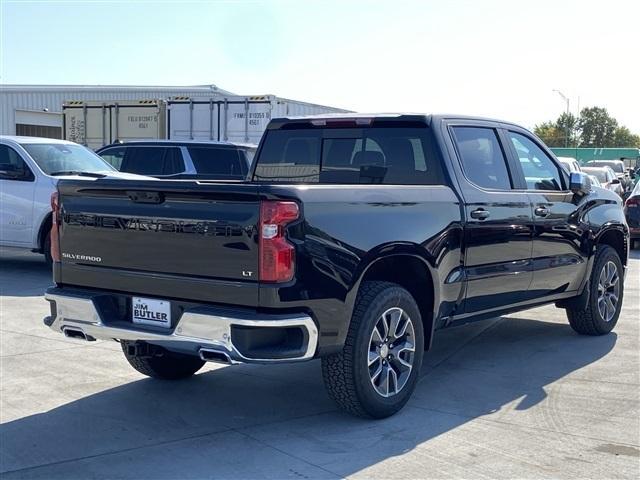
{"x":36,"y":110}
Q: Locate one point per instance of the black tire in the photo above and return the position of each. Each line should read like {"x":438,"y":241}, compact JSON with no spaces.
{"x":163,"y":364}
{"x":347,"y":374}
{"x":46,"y":249}
{"x":588,"y":320}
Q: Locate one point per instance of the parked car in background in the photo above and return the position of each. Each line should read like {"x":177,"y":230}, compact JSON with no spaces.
{"x":354,"y":240}
{"x":632,"y":213}
{"x":168,"y":158}
{"x":570,"y":164}
{"x":634,"y":177}
{"x":607,"y":177}
{"x":594,"y":181}
{"x":618,"y":168}
{"x":30,"y":168}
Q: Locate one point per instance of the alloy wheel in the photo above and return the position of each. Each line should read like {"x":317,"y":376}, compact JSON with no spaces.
{"x":608,"y":291}
{"x":391,"y":352}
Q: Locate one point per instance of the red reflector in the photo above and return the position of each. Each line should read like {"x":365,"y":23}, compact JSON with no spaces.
{"x":55,"y":224}
{"x":277,"y":255}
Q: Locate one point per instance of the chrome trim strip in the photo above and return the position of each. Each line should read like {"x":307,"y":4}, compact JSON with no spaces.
{"x":206,"y":330}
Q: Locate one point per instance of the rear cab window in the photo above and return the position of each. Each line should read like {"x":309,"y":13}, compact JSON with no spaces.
{"x":395,"y":155}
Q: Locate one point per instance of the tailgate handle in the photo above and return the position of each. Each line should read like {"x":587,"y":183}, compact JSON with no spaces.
{"x":146,"y":197}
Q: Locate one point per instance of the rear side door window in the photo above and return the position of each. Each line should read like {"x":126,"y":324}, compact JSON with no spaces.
{"x":219,"y":161}
{"x":540,"y":172}
{"x":172,"y":161}
{"x":150,"y":160}
{"x":483,"y":160}
{"x":143,"y":160}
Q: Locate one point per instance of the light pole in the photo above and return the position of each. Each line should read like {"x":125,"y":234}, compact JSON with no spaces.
{"x":566,"y":133}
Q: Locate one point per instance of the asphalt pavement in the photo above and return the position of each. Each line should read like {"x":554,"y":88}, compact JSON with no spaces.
{"x":520,"y":396}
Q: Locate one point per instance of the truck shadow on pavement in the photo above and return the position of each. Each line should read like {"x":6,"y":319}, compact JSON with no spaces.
{"x":274,"y":422}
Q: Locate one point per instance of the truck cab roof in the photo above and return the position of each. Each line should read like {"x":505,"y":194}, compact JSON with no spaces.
{"x":364,"y":119}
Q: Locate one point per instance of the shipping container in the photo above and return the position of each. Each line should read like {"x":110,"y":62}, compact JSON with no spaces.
{"x":36,"y":110}
{"x":232,"y":118}
{"x":96,"y":124}
{"x":226,"y":118}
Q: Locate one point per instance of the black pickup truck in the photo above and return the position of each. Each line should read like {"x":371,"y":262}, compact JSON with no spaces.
{"x":355,"y":238}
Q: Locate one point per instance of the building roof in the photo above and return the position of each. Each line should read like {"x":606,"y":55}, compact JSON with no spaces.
{"x":63,"y":88}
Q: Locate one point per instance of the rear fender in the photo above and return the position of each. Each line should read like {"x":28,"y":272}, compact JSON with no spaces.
{"x":396,"y":251}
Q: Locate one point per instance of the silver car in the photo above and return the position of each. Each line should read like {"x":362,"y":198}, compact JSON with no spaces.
{"x":607,"y":178}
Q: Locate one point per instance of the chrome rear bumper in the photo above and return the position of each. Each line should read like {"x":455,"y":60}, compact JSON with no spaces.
{"x":199,"y":331}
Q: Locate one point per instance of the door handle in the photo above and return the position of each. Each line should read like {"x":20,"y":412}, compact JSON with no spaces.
{"x":542,"y":211}
{"x":480,"y":214}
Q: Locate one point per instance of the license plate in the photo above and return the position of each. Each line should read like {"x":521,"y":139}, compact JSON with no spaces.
{"x":149,"y":311}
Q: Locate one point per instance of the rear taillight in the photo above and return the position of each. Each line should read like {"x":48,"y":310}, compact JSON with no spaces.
{"x":277,"y":255}
{"x":632,"y":201}
{"x":55,"y":223}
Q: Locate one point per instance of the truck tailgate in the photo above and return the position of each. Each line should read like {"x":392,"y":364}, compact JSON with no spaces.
{"x":176,"y":238}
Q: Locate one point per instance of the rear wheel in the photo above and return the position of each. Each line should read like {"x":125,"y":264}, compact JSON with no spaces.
{"x":600,"y":313}
{"x":160,"y":363}
{"x":379,"y":366}
{"x":47,"y":249}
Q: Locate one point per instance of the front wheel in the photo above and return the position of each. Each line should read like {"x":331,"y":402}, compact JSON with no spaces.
{"x":378,"y":368}
{"x":601,"y":311}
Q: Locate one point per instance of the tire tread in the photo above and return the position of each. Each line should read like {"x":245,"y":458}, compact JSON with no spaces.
{"x":338,"y":369}
{"x":584,"y":321}
{"x":169,"y":366}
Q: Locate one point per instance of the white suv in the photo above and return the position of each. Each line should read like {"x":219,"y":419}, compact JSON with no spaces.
{"x":30,"y":168}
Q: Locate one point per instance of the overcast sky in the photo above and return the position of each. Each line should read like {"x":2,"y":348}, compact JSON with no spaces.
{"x":495,"y":58}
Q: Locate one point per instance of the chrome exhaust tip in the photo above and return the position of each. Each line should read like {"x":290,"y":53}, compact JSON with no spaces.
{"x":77,"y":334}
{"x":209,"y":355}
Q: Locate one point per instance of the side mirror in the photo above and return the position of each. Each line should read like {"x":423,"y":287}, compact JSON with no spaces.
{"x":579,"y":183}
{"x":615,"y":181}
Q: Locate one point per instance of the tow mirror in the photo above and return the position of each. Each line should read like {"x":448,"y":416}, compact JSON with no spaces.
{"x":579,"y":183}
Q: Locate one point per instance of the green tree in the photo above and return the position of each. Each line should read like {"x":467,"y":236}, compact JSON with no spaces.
{"x":550,"y":134}
{"x":597,"y":128}
{"x":622,"y":137}
{"x":594,"y":128}
{"x":567,"y":123}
